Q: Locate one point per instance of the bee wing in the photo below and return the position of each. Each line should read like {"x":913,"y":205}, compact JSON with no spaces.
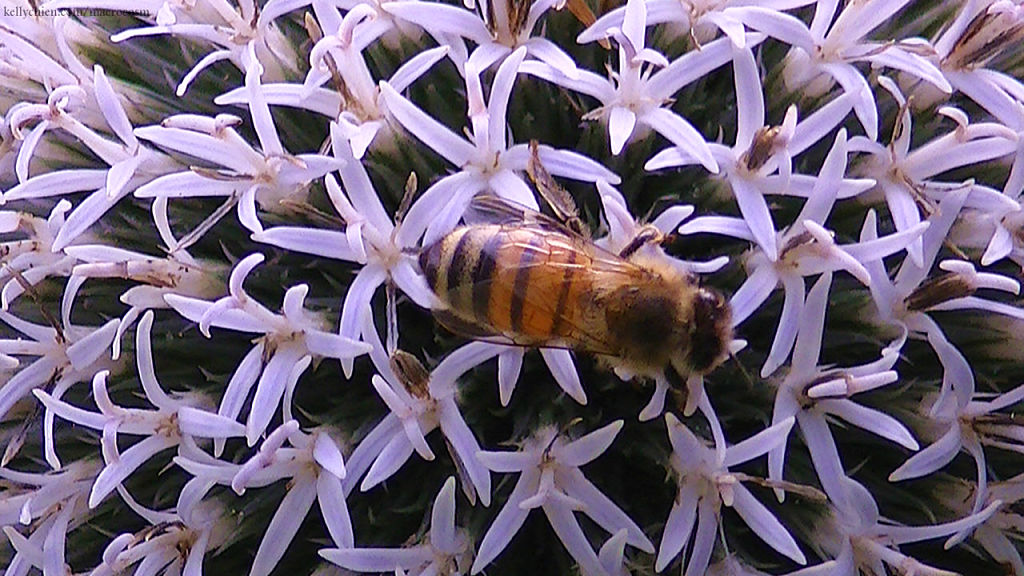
{"x":495,"y":210}
{"x":533,"y":299}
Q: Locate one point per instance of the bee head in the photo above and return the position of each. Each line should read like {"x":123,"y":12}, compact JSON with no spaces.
{"x":712,"y":330}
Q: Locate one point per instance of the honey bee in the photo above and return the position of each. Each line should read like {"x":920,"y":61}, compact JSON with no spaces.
{"x":531,"y":280}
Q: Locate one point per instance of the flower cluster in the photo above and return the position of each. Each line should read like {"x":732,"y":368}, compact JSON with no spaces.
{"x":850,"y":174}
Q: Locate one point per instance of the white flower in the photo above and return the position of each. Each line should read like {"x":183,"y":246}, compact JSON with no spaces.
{"x":66,"y":355}
{"x":981,"y":30}
{"x":487,"y":163}
{"x":446,"y":550}
{"x":804,"y":249}
{"x":500,"y":27}
{"x":995,"y":533}
{"x":232,"y":30}
{"x":761,"y":151}
{"x":175,"y":541}
{"x":247,"y":176}
{"x":550,"y":478}
{"x":813,"y":393}
{"x":824,"y":52}
{"x":179,"y":273}
{"x":33,"y":257}
{"x":370,"y":237}
{"x":314,"y":467}
{"x":702,"y":19}
{"x":281,"y":355}
{"x":48,"y":504}
{"x":856,"y":536}
{"x":634,"y":94}
{"x":904,"y":176}
{"x":420,"y":402}
{"x":967,"y":426}
{"x":705,"y":484}
{"x":359,"y":110}
{"x":131,"y":164}
{"x":904,"y":302}
{"x":176,"y":420}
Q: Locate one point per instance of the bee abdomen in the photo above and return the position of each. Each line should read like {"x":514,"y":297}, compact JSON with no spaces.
{"x":511,"y":281}
{"x":459,"y":267}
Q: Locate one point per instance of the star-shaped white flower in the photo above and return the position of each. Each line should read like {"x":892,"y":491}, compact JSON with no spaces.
{"x":824,"y":52}
{"x":761,"y":161}
{"x":635,"y":94}
{"x":314,"y":468}
{"x":804,"y":249}
{"x":176,"y":539}
{"x":706,"y":484}
{"x":446,"y":550}
{"x":813,"y":393}
{"x":905,"y":176}
{"x":176,"y":420}
{"x":500,"y":28}
{"x":486,"y":163}
{"x":370,"y":237}
{"x":289,"y":341}
{"x":48,"y":505}
{"x":857,"y":536}
{"x":420,"y":402}
{"x":702,"y":20}
{"x":358,"y":109}
{"x":66,"y":354}
{"x":550,"y":478}
{"x":247,"y":177}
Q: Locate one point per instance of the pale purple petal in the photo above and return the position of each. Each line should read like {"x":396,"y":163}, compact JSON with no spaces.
{"x":269,"y":390}
{"x":202,"y":424}
{"x":678,"y":527}
{"x":466,"y":448}
{"x":601,"y":509}
{"x":284,"y":525}
{"x":824,"y":455}
{"x":788,"y":324}
{"x":128,"y":461}
{"x":510,"y":363}
{"x":749,"y":99}
{"x":563,"y":369}
{"x":326,"y":243}
{"x":57,"y":183}
{"x":507,"y":522}
{"x":681,"y":133}
{"x":704,"y":542}
{"x":568,"y":529}
{"x":932,"y":458}
{"x":431,"y":132}
{"x":863,"y":99}
{"x":501,"y":91}
{"x":588,"y":447}
{"x":331,"y":495}
{"x":441,"y":19}
{"x":764,"y":524}
{"x":416,"y":66}
{"x":756,"y":215}
{"x":378,"y":559}
{"x":873,"y":421}
{"x":621,"y":122}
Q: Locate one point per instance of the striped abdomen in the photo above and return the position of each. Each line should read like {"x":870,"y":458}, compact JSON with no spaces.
{"x":521,"y":282}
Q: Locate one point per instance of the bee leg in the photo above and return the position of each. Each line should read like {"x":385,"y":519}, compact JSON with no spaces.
{"x":647,"y":235}
{"x":558,"y":198}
